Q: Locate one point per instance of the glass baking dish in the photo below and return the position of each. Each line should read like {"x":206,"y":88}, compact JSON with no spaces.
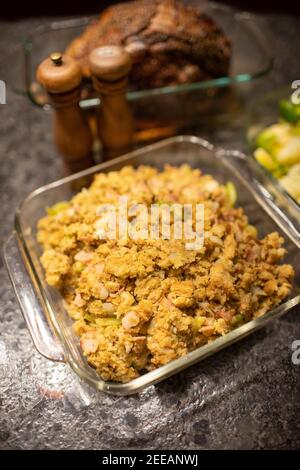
{"x":43,"y":307}
{"x":172,"y":106}
{"x":263,"y":113}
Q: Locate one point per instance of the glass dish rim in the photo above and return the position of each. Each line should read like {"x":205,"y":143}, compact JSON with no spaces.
{"x":219,"y":82}
{"x":152,"y":377}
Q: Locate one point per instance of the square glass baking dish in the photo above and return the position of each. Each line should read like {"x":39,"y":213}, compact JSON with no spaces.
{"x":43,"y":307}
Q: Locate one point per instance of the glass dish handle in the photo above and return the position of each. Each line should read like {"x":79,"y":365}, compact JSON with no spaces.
{"x":39,"y":328}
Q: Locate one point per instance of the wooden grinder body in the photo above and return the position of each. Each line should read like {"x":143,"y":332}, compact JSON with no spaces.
{"x":110,"y":66}
{"x":71,"y":131}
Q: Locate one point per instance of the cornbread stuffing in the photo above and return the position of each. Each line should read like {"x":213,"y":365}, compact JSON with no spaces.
{"x":139,"y":303}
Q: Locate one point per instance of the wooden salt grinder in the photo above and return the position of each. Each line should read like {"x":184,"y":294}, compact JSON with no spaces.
{"x":61,"y":77}
{"x":109,"y":67}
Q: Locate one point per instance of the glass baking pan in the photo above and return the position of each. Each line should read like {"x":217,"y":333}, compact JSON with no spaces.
{"x":43,"y":307}
{"x":251,"y":58}
{"x":263,"y":113}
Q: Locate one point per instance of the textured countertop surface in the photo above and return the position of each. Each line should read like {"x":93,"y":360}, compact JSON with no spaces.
{"x":246,"y":397}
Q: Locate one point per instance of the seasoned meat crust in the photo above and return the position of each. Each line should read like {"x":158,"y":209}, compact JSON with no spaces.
{"x":170,"y":43}
{"x":138,"y":304}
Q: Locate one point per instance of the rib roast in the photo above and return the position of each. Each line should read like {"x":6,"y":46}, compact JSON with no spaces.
{"x":170,"y":43}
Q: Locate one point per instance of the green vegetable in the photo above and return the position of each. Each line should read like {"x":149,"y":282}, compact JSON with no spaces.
{"x":251,"y":230}
{"x":78,"y":266}
{"x":295,"y":171}
{"x":279,"y":172}
{"x":89,"y":317}
{"x":160,"y":203}
{"x":231,"y":192}
{"x":269,"y":162}
{"x":289,"y":111}
{"x":274,"y":138}
{"x":57,"y":208}
{"x":237,"y":319}
{"x":289,"y":154}
{"x":278,"y":148}
{"x":265,"y":159}
{"x":296,"y":129}
{"x":291,"y":182}
{"x":197,"y":323}
{"x":114,"y":322}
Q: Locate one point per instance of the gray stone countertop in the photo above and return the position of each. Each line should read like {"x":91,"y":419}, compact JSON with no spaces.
{"x":246,"y":397}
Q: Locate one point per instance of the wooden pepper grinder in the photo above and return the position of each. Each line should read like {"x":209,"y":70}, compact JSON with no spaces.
{"x":109,"y":67}
{"x":61,"y":77}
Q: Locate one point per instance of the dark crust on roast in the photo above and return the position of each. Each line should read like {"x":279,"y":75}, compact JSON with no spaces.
{"x":170,"y":43}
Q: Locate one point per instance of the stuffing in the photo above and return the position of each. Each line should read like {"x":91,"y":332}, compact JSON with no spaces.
{"x":139,"y":303}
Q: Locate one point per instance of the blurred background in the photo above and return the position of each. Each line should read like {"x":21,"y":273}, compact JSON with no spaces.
{"x":32,"y":8}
